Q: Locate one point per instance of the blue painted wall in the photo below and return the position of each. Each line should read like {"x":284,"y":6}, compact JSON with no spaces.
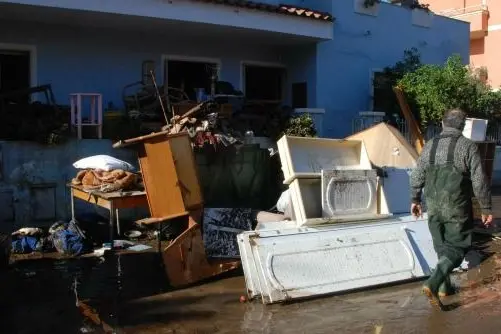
{"x":102,"y":60}
{"x":361,"y":43}
{"x":33,"y":181}
{"x":337,"y":71}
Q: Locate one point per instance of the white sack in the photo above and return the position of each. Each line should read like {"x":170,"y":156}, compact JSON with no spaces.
{"x":102,"y":162}
{"x":284,"y":205}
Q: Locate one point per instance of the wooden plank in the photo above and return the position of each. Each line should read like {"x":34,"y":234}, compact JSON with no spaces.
{"x":126,"y":202}
{"x":160,"y":179}
{"x":111,"y":195}
{"x":186,"y":262}
{"x":92,"y":198}
{"x":154,"y":220}
{"x":187,"y":172}
{"x":145,"y":138}
{"x":381,"y":141}
{"x":415,"y":132}
{"x":145,"y":169}
{"x":123,"y":202}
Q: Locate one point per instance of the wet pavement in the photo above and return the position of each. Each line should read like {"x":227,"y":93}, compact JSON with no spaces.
{"x":128,"y":293}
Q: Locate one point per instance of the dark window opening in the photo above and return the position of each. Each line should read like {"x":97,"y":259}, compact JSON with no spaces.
{"x":263,"y":83}
{"x":14,"y":73}
{"x":299,"y":95}
{"x":188,"y":76}
{"x":379,"y":97}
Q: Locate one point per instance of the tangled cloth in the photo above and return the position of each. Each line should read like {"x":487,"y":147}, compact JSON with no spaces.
{"x":114,"y":180}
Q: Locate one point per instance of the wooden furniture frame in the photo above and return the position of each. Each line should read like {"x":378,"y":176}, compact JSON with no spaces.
{"x":112,"y":201}
{"x":173,"y":190}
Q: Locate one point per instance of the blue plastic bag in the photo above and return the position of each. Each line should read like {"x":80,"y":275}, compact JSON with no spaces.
{"x":25,"y":245}
{"x":68,"y":239}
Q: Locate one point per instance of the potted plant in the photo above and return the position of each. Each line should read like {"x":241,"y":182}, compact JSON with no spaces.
{"x":300,"y":126}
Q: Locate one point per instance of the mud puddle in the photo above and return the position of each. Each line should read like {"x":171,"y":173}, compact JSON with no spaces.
{"x":128,"y":294}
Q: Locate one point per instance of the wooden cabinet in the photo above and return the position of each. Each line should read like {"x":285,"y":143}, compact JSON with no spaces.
{"x":169,"y":173}
{"x":172,"y":187}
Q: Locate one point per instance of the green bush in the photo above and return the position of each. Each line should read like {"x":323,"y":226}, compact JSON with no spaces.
{"x":391,"y":75}
{"x":433,"y":89}
{"x":300,"y":126}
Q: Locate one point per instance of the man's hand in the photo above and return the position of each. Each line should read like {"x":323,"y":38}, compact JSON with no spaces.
{"x":487,"y":220}
{"x":416,"y":210}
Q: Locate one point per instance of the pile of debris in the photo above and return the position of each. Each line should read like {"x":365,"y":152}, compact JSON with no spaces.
{"x":106,"y":174}
{"x":204,"y":126}
{"x":66,"y":238}
{"x":24,"y":118}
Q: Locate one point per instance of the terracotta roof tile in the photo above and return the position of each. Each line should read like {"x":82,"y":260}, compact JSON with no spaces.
{"x":280,"y":9}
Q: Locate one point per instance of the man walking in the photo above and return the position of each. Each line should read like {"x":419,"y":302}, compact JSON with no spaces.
{"x":449,"y":168}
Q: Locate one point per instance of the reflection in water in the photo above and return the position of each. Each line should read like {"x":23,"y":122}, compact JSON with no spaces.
{"x":124,"y":292}
{"x":256,"y":319}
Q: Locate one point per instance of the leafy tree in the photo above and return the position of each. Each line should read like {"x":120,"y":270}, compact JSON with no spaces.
{"x":433,"y":89}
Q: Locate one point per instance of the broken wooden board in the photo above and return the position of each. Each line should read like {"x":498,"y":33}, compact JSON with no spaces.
{"x":186,"y":261}
{"x":387,"y":147}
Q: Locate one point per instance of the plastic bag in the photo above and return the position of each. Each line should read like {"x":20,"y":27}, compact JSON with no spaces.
{"x":103,"y":162}
{"x":68,"y":238}
{"x":25,"y":245}
{"x":283,"y":201}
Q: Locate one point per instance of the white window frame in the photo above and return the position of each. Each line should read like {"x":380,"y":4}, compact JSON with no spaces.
{"x":32,"y":49}
{"x":244,"y":63}
{"x":372,"y":76}
{"x":166,"y":58}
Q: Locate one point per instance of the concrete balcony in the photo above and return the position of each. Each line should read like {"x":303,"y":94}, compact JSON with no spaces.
{"x":477,"y":16}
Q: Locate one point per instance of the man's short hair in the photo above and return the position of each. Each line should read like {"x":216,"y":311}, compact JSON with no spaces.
{"x":454,"y":118}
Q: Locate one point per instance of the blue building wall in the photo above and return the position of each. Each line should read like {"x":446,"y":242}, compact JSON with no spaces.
{"x":75,"y":59}
{"x":33,"y":181}
{"x":338,"y":71}
{"x":361,"y":43}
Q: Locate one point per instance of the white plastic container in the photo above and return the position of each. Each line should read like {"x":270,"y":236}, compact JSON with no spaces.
{"x":475,"y":129}
{"x":303,"y":157}
{"x":349,"y":193}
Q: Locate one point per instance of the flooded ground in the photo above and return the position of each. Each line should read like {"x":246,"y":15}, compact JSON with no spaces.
{"x":128,"y":294}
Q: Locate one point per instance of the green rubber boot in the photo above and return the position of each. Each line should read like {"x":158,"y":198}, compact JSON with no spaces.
{"x":432,"y":285}
{"x":446,"y":288}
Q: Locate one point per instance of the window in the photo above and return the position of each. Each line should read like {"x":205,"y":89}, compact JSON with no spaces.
{"x":377,"y":95}
{"x":300,"y":95}
{"x":15,"y":72}
{"x":189,"y":75}
{"x":263,"y":83}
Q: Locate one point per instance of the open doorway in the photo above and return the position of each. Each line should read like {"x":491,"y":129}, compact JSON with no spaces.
{"x":188,"y":75}
{"x":263,"y":83}
{"x":15,"y":72}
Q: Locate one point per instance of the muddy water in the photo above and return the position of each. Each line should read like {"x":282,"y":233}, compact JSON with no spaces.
{"x":129,"y":294}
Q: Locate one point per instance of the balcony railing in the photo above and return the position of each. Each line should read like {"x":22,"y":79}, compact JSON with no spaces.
{"x":462,"y":11}
{"x":477,"y":16}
